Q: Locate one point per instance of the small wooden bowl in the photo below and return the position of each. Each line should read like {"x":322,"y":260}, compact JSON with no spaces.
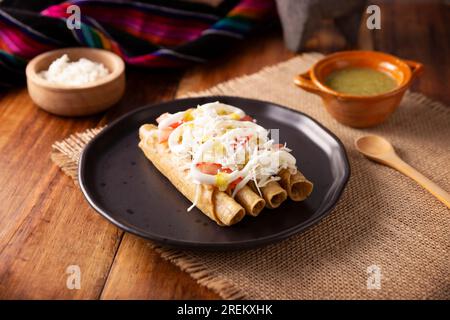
{"x":360,"y":111}
{"x":67,"y":100}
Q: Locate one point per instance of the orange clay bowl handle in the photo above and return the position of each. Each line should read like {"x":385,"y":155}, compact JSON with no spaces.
{"x":416,"y":68}
{"x":304,"y":81}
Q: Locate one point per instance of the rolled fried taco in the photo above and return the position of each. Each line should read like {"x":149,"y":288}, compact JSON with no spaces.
{"x":217,"y":205}
{"x":297,"y":186}
{"x":223,"y":162}
{"x":250,"y":200}
{"x":274,"y":194}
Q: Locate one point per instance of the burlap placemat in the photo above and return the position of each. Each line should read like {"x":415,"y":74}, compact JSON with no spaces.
{"x":385,"y":224}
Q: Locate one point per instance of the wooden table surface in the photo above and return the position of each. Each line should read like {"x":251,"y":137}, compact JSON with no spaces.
{"x":45,"y":223}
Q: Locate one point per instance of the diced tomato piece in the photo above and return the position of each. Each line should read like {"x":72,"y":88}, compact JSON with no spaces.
{"x":176,"y":124}
{"x":246,"y":118}
{"x":226,"y":170}
{"x":163,"y":134}
{"x":162,"y":117}
{"x":278,"y":146}
{"x":234,"y":183}
{"x":209,"y":167}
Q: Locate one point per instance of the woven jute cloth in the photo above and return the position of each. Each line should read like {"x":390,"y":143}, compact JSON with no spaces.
{"x":387,"y":238}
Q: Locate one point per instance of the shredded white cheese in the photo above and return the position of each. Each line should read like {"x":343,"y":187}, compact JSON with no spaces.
{"x":223,"y":145}
{"x":83,"y":71}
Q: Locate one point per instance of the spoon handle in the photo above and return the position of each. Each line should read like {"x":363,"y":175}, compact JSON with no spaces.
{"x":429,"y":185}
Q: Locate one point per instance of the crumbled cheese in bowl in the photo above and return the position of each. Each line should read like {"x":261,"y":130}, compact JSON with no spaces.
{"x":76,"y":73}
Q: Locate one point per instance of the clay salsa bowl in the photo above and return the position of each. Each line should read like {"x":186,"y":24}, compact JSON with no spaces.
{"x":80,"y":100}
{"x":356,"y":110}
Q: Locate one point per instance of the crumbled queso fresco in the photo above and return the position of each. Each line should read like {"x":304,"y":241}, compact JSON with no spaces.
{"x":83,"y":71}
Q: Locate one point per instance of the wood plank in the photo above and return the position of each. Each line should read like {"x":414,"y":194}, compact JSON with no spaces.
{"x":26,"y":134}
{"x":140,"y":273}
{"x":46,"y":224}
{"x":248,"y":57}
{"x":60,"y":230}
{"x":31,"y":190}
{"x":144,"y":86}
{"x":419,"y":31}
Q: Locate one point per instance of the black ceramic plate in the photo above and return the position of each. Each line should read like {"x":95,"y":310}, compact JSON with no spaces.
{"x":123,"y":186}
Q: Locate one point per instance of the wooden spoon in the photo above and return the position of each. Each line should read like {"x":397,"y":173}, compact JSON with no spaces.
{"x":380,"y":150}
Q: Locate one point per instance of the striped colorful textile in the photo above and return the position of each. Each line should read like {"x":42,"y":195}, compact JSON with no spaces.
{"x":147,"y":33}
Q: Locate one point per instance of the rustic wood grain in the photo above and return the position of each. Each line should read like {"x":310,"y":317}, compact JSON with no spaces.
{"x":45,"y":224}
{"x":140,"y":273}
{"x":247,"y":58}
{"x":418,"y":30}
{"x":37,"y":201}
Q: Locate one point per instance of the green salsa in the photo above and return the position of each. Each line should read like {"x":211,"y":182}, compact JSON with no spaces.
{"x":360,"y":81}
